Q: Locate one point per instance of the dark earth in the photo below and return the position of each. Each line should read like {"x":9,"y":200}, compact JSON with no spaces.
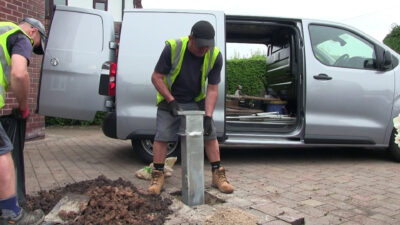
{"x":111,"y":202}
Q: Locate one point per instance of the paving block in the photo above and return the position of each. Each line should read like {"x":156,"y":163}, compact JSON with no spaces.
{"x":291,"y":216}
{"x":312,"y":202}
{"x":276,"y":222}
{"x":272,"y":209}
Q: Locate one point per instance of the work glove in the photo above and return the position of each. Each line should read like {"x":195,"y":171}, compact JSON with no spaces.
{"x":173,"y":108}
{"x":24,"y":113}
{"x":207,"y":124}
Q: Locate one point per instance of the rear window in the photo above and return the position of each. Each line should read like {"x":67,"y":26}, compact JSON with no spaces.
{"x":76,"y":31}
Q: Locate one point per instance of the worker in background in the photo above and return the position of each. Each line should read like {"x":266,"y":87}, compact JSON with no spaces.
{"x":238,"y":91}
{"x":17,"y":43}
{"x":189,"y":82}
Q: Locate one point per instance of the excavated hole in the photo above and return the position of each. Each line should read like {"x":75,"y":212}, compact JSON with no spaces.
{"x":209,"y":199}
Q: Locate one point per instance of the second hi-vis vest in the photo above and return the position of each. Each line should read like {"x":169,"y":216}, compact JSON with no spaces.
{"x":6,"y":29}
{"x":178,"y":48}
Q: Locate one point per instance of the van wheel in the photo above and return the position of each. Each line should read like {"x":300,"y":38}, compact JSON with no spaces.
{"x":394,"y":148}
{"x":145,"y":149}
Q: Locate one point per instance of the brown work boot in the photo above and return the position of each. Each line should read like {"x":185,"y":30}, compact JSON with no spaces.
{"x":157,"y":182}
{"x":219,"y":180}
{"x":25,"y":218}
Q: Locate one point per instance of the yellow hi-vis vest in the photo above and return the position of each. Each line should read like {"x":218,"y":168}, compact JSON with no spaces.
{"x":178,"y":47}
{"x":6,"y":29}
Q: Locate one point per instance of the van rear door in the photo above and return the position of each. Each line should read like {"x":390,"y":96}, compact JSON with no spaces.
{"x":77,"y":47}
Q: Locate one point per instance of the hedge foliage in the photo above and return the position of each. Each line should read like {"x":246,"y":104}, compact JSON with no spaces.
{"x":55,"y":121}
{"x":250,"y":73}
{"x":393,"y":39}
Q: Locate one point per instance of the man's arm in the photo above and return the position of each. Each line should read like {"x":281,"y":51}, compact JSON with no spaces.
{"x":158,"y":81}
{"x":211,"y":99}
{"x":20,"y":82}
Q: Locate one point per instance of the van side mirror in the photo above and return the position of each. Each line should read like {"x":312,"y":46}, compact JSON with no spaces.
{"x":370,"y":64}
{"x":383,"y":59}
{"x":387,"y":60}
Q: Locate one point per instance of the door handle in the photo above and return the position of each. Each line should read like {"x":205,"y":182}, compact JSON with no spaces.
{"x":54,"y":61}
{"x":322,"y":76}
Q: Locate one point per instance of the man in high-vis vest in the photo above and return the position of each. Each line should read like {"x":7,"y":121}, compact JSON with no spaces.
{"x":186,"y":78}
{"x":16,"y":43}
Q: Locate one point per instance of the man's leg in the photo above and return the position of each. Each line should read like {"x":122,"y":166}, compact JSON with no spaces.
{"x":218,"y":173}
{"x":166,"y":130}
{"x":7,"y":176}
{"x":212,"y":150}
{"x":159,"y":151}
{"x":8,"y":198}
{"x":11,"y":213}
{"x":157,"y":175}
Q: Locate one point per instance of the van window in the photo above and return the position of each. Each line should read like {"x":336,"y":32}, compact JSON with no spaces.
{"x":340,"y":48}
{"x":85,"y":32}
{"x":100,"y":4}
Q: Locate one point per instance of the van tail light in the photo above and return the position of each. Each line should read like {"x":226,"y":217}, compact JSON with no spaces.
{"x":112,"y":81}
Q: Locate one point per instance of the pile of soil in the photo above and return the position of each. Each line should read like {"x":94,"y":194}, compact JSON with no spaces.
{"x":231,"y":216}
{"x":111,"y":202}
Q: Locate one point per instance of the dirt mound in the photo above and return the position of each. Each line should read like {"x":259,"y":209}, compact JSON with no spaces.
{"x":111,"y":202}
{"x":231,"y":216}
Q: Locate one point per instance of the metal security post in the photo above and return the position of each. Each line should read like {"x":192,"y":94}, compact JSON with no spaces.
{"x":192,"y":152}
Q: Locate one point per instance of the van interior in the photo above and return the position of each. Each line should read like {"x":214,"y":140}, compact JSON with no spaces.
{"x":268,"y":101}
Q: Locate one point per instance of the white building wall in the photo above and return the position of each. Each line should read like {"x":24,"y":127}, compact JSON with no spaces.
{"x":114,"y":6}
{"x":128,"y":4}
{"x":88,"y":4}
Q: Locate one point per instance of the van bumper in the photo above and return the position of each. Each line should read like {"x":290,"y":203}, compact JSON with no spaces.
{"x":110,"y":125}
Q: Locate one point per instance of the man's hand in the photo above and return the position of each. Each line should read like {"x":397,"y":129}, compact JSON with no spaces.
{"x":207,"y":125}
{"x":173,"y":107}
{"x":24,"y":113}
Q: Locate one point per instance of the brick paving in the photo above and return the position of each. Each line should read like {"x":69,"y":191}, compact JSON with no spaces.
{"x":279,"y":186}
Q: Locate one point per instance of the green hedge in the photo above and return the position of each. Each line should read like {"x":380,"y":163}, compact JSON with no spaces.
{"x":52,"y":121}
{"x":250,"y":73}
{"x":393,"y":39}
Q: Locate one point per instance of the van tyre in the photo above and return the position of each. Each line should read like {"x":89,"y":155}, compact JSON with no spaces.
{"x":145,"y":149}
{"x":394,"y":148}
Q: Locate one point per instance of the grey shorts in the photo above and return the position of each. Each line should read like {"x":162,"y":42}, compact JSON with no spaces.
{"x":5,"y":143}
{"x":168,"y":126}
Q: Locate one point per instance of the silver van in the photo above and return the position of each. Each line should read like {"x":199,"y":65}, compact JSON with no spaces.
{"x":327,"y":84}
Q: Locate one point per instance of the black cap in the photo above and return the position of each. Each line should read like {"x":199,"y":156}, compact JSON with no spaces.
{"x":37,"y":24}
{"x":203,"y":33}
